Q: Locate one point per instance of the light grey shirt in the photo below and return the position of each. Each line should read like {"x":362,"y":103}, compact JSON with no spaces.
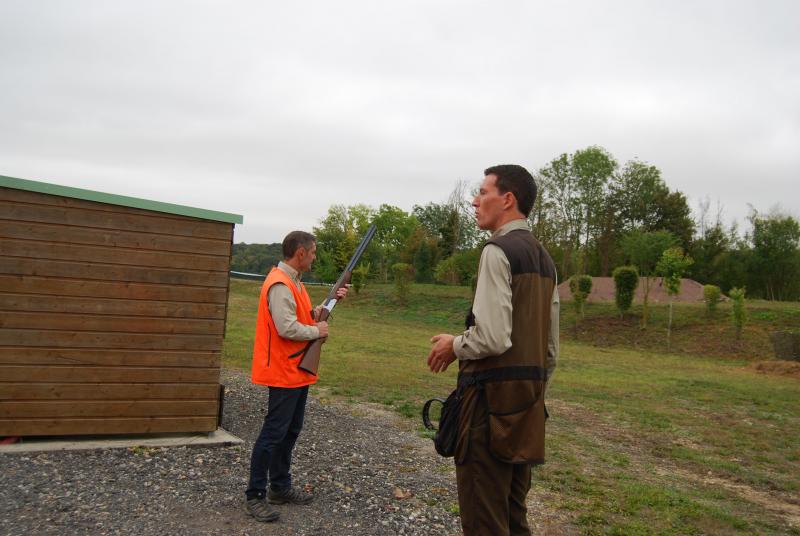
{"x":491,"y":334}
{"x":283,"y":309}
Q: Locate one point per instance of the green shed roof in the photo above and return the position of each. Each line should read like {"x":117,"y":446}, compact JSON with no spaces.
{"x":125,"y":201}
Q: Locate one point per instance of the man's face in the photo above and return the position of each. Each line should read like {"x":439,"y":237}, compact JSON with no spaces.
{"x":490,"y":204}
{"x":307,"y":256}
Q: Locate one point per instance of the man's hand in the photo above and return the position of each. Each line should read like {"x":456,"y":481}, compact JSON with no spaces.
{"x":442,"y":352}
{"x":342,"y":292}
{"x":323,"y":329}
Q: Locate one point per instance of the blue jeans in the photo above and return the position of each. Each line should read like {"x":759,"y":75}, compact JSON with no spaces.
{"x":273,"y":449}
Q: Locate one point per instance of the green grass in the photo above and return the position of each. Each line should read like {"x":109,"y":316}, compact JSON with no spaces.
{"x":640,"y":441}
{"x":699,"y":416}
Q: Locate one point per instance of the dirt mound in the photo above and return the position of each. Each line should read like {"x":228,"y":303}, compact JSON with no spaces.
{"x":603,"y":291}
{"x":778,"y":368}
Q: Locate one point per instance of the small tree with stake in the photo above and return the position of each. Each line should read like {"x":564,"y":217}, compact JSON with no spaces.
{"x":671,"y":266}
{"x":580,"y":286}
{"x":711,"y":295}
{"x":738,"y":313}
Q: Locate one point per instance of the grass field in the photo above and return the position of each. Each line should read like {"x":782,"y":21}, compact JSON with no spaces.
{"x":640,"y":441}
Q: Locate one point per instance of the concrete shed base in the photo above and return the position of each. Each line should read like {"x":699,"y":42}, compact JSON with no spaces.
{"x":219,"y":437}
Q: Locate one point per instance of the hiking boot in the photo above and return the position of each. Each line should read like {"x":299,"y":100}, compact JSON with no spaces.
{"x":261,"y":510}
{"x":291,"y":496}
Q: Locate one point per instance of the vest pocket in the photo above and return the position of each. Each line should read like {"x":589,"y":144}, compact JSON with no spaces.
{"x":516,"y":421}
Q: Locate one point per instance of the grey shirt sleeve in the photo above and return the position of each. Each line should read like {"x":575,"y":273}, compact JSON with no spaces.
{"x":553,"y":346}
{"x":491,"y":334}
{"x":283,"y":309}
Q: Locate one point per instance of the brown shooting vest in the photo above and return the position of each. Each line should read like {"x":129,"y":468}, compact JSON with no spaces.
{"x":512,"y":384}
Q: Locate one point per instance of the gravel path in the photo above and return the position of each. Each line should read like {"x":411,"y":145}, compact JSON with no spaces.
{"x":371,"y":474}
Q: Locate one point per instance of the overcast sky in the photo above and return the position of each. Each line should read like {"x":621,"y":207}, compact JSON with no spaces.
{"x":276,"y":110}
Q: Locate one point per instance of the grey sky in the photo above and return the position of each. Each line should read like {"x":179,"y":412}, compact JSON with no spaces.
{"x":278,"y":110}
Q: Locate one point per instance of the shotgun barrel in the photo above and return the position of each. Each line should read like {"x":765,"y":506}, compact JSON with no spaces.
{"x":309,"y":361}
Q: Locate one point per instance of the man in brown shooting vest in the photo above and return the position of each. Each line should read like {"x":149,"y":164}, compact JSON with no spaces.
{"x":505,"y":357}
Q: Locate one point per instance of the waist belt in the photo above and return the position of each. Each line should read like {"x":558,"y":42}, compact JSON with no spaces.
{"x":502,"y":374}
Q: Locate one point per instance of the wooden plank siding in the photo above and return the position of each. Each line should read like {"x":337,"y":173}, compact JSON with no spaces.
{"x":111,"y":272}
{"x":111,"y":255}
{"x":106,"y":425}
{"x":56,"y":286}
{"x":110,"y":306}
{"x":111,"y":318}
{"x":106,"y":391}
{"x":35,"y":207}
{"x":41,"y":321}
{"x":30,"y":355}
{"x":106,"y":408}
{"x":46,"y":232}
{"x":120,"y":341}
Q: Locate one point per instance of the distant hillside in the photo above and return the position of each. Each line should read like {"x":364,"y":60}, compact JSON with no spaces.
{"x":255,"y":258}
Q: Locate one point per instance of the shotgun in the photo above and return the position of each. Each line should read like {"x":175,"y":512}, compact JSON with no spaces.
{"x":309,"y":361}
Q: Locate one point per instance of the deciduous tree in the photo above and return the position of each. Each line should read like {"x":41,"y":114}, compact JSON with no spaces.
{"x":338,"y":235}
{"x":776,"y":256}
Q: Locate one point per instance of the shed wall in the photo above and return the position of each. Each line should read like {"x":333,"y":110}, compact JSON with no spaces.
{"x":111,"y":318}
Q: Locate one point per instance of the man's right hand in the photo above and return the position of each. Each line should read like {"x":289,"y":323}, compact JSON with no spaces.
{"x":323,"y":329}
{"x":442,"y":353}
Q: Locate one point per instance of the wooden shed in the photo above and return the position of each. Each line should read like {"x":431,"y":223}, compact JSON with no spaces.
{"x":112,"y":312}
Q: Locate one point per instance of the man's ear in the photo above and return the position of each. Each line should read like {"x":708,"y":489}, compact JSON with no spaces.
{"x":509,"y":200}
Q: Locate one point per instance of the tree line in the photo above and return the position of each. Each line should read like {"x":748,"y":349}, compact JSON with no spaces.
{"x":591,"y":213}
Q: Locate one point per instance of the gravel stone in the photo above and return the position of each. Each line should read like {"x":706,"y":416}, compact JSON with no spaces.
{"x":370,"y":472}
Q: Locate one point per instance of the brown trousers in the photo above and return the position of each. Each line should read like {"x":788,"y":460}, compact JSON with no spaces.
{"x":491,"y":493}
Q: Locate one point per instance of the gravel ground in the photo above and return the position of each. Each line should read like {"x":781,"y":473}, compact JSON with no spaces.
{"x":370,"y":472}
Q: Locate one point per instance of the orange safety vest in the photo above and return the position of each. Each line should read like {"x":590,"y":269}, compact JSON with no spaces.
{"x":273,"y":364}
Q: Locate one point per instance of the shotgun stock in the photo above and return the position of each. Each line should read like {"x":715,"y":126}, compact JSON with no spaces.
{"x":309,"y":361}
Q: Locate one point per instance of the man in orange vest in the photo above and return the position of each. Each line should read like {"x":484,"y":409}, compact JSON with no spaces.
{"x":285,"y":324}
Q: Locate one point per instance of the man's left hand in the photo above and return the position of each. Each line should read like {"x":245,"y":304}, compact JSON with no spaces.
{"x":442,"y":352}
{"x":342,"y":292}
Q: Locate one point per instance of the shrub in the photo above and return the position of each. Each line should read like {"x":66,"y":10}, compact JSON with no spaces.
{"x":446,"y":272}
{"x":359,"y":278}
{"x":459,"y":268}
{"x":738,"y":312}
{"x":711,"y":295}
{"x":403,"y":276}
{"x":585,"y":284}
{"x":626,"y":279}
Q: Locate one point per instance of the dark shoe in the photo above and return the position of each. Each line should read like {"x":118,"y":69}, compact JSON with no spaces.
{"x":261,"y":510}
{"x":291,"y":496}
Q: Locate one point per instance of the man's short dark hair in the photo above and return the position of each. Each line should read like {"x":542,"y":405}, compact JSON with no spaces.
{"x":294,"y":240}
{"x":515,"y":179}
